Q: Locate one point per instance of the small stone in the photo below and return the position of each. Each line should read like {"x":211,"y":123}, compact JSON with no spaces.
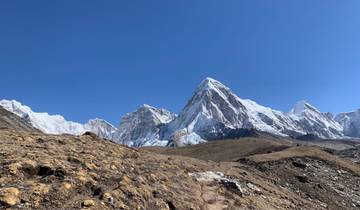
{"x":66,"y":186}
{"x":9,"y":196}
{"x":254,"y":188}
{"x":88,"y":203}
{"x":302,"y":178}
{"x":113,"y":167}
{"x":92,"y":135}
{"x":152,"y":178}
{"x":299,"y":164}
{"x":341,"y":187}
{"x":125,"y":180}
{"x":40,"y":189}
{"x":90,"y":166}
{"x":108,"y":198}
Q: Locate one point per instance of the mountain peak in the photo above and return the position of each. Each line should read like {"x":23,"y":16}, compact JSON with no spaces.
{"x":209,"y":79}
{"x":15,"y":107}
{"x":99,"y":121}
{"x":147,"y":106}
{"x":210,"y":83}
{"x":301,"y":106}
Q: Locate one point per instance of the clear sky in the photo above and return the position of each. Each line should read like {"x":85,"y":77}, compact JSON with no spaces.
{"x":86,"y":59}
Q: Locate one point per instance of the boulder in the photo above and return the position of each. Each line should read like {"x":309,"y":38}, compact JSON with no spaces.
{"x":9,"y":196}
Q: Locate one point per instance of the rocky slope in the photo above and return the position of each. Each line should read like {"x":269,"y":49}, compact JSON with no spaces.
{"x":40,"y":171}
{"x":8,"y":120}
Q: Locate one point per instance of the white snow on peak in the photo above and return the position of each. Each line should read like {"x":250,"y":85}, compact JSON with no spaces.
{"x":213,"y":111}
{"x":52,"y":124}
{"x":214,"y":107}
{"x":102,"y":128}
{"x":143,"y":127}
{"x":147,"y":106}
{"x":56,"y":124}
{"x":301,"y":107}
{"x":210,"y":83}
{"x":311,"y":120}
{"x":350,"y":121}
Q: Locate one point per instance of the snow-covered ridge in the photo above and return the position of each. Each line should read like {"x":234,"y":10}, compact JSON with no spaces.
{"x":312,"y":121}
{"x":143,"y":126}
{"x":350,"y":121}
{"x":52,"y":124}
{"x":214,"y":109}
{"x":212,"y":113}
{"x":56,"y":124}
{"x":139,"y":128}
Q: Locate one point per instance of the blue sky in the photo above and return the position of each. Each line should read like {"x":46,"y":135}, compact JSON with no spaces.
{"x":86,"y":59}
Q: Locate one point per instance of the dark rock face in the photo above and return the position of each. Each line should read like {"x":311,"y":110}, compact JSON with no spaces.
{"x":308,"y":137}
{"x":9,"y":120}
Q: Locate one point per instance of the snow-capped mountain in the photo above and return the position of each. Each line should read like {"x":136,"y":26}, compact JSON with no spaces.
{"x":101,"y":128}
{"x":52,"y":124}
{"x":214,"y":108}
{"x":213,"y":112}
{"x":56,"y":124}
{"x":350,"y":122}
{"x":311,"y":121}
{"x":144,"y":127}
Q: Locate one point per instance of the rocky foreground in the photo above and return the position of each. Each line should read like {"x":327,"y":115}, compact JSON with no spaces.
{"x":39,"y":171}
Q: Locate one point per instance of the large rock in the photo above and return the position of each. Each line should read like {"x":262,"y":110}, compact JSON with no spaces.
{"x":9,"y":196}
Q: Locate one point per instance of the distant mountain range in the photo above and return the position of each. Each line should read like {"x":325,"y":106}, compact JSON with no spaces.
{"x":214,"y":112}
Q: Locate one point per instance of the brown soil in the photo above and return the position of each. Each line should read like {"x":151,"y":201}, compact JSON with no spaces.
{"x":328,"y":179}
{"x":68,"y":172}
{"x":332,"y":183}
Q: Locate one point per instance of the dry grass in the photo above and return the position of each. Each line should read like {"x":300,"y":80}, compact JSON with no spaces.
{"x":69,"y":172}
{"x":225,"y":150}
